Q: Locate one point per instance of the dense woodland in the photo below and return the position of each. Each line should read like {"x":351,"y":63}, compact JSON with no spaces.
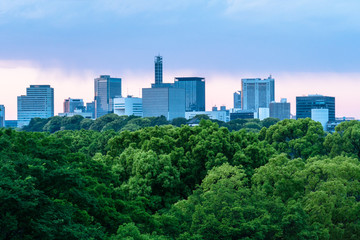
{"x":128,"y":178}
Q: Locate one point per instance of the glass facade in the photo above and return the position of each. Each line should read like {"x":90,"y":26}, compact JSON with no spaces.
{"x":194,"y":92}
{"x":237,"y":99}
{"x":71,"y":104}
{"x":257,"y":93}
{"x":305,"y":104}
{"x":280,"y":110}
{"x":38,"y":102}
{"x":106,"y":89}
{"x":2,"y":116}
{"x":158,"y":69}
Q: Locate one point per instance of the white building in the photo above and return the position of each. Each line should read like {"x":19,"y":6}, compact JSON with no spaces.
{"x":76,"y":112}
{"x":128,"y":106}
{"x":263,"y":113}
{"x":215,"y":115}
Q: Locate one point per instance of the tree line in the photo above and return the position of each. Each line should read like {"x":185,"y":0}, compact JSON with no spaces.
{"x":290,"y":180}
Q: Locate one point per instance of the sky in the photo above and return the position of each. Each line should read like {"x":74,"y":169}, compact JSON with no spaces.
{"x":308,"y":46}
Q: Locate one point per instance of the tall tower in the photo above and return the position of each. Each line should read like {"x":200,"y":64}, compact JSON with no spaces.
{"x":106,"y":89}
{"x":38,"y":102}
{"x":158,"y":70}
{"x":194,"y":92}
{"x":257,"y":93}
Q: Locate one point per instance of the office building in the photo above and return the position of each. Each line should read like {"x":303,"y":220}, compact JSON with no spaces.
{"x":242,"y":114}
{"x":71,"y":104}
{"x":320,"y":115}
{"x":90,"y":108}
{"x":79,"y":112}
{"x":158,"y":69}
{"x":280,"y":110}
{"x":38,"y":102}
{"x":257,"y":93}
{"x":263,"y":113}
{"x":2,"y":116}
{"x":11,"y":123}
{"x":215,"y":115}
{"x":305,"y":104}
{"x":106,"y":89}
{"x":237,"y":99}
{"x":168,"y":102}
{"x":194,"y":92}
{"x":128,"y":106}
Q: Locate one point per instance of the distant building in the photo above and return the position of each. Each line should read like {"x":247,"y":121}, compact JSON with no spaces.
{"x":320,"y":115}
{"x":215,"y":115}
{"x":106,"y":89}
{"x":2,"y":116}
{"x":38,"y":102}
{"x":194,"y":92}
{"x":71,"y":104}
{"x":158,"y":70}
{"x":90,"y":108}
{"x":257,"y":93}
{"x":305,"y":104}
{"x":11,"y":123}
{"x":128,"y":106}
{"x":263,"y":113}
{"x":242,"y":114}
{"x":168,"y":102}
{"x":280,"y":110}
{"x":237,"y":99}
{"x":77,"y":112}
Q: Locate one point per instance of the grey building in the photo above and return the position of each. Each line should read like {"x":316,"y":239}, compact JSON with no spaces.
{"x":2,"y":116}
{"x":237,"y":99}
{"x":257,"y":93}
{"x":194,"y":92}
{"x":71,"y":104}
{"x":305,"y":104}
{"x":106,"y":89}
{"x":168,"y":102}
{"x":90,"y":108}
{"x":158,"y":69}
{"x":280,"y":110}
{"x":38,"y":102}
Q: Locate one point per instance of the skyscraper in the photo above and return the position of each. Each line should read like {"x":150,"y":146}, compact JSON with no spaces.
{"x":237,"y":99}
{"x":280,"y":110}
{"x":257,"y":93}
{"x":2,"y":116}
{"x":158,"y":70}
{"x":71,"y":104}
{"x":194,"y":92}
{"x":305,"y":104}
{"x":38,"y":102}
{"x":106,"y":89}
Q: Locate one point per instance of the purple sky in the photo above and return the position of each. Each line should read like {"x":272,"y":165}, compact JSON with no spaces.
{"x":308,"y":46}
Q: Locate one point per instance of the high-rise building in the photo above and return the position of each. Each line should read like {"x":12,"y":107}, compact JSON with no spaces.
{"x":168,"y":102}
{"x":2,"y":116}
{"x":38,"y":102}
{"x":158,"y":70}
{"x":106,"y":89}
{"x":194,"y":92}
{"x":90,"y":108}
{"x":305,"y":104}
{"x":128,"y":106}
{"x":71,"y":104}
{"x":257,"y":93}
{"x":237,"y":99}
{"x":280,"y":110}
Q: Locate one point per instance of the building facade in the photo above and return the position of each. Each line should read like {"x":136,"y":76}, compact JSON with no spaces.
{"x":215,"y":115}
{"x":2,"y":116}
{"x":158,"y":69}
{"x":257,"y":93}
{"x":128,"y":106}
{"x":280,"y":110}
{"x":305,"y":104}
{"x":237,"y":99}
{"x":168,"y":102}
{"x":106,"y":89}
{"x":194,"y":92}
{"x":38,"y":102}
{"x":71,"y":104}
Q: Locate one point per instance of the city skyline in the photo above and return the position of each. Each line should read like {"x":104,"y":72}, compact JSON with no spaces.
{"x":309,"y":47}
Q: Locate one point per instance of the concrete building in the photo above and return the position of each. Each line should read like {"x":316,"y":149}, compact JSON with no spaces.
{"x":128,"y":106}
{"x":257,"y":93}
{"x":305,"y":104}
{"x":38,"y":102}
{"x":215,"y":115}
{"x":194,"y":92}
{"x":90,"y":108}
{"x":280,"y":110}
{"x":77,"y":112}
{"x":71,"y":104}
{"x":158,"y":61}
{"x":237,"y":99}
{"x":263,"y":113}
{"x":2,"y":116}
{"x":106,"y":89}
{"x":168,"y":102}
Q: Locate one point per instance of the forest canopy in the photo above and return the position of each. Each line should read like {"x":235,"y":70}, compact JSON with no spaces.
{"x":145,"y":178}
